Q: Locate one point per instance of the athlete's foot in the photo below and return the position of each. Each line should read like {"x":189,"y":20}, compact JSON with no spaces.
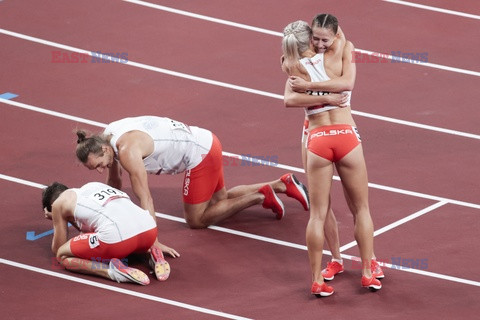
{"x":296,"y":189}
{"x":271,"y":201}
{"x":377,"y":271}
{"x":158,"y":263}
{"x":333,"y":268}
{"x":321,"y":290}
{"x":371,"y":283}
{"x":121,"y":273}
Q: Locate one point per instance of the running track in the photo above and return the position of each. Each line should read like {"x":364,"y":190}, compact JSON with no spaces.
{"x":215,"y":64}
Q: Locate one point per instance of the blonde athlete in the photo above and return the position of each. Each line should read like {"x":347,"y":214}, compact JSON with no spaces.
{"x":333,"y":138}
{"x":325,"y":43}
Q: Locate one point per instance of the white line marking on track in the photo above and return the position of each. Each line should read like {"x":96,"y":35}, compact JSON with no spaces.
{"x":279,"y":34}
{"x":417,"y":125}
{"x":233,"y":155}
{"x":290,"y":244}
{"x":230,"y":86}
{"x":121,"y":290}
{"x":398,"y":223}
{"x":430,"y":8}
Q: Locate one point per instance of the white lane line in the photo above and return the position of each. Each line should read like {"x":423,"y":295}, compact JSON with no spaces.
{"x":226,"y":85}
{"x":357,"y":265}
{"x":233,"y":155}
{"x":398,"y":223}
{"x":229,"y":86}
{"x":121,"y":290}
{"x":271,"y":240}
{"x":417,"y":125}
{"x":436,"y":9}
{"x":280,"y":34}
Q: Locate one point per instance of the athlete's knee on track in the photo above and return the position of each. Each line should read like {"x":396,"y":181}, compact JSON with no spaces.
{"x":195,"y":221}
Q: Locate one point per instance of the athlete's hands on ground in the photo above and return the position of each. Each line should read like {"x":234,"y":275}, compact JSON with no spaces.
{"x":170,"y":251}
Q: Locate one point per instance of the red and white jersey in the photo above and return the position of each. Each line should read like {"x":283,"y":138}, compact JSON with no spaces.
{"x":316,"y":69}
{"x":177,"y":146}
{"x":110,"y":213}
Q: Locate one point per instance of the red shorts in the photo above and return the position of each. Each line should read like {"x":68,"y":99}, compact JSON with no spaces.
{"x":88,"y":246}
{"x":333,"y":142}
{"x":201,"y":182}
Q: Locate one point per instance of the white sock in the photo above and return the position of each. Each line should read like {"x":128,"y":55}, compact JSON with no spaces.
{"x":116,"y":275}
{"x":338,"y":260}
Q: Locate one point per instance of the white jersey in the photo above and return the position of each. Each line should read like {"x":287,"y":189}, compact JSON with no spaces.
{"x":177,"y":147}
{"x":316,"y":69}
{"x":110,"y":213}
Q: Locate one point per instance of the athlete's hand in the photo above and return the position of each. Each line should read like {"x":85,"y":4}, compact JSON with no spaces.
{"x":297,"y":84}
{"x":170,"y":251}
{"x":338,"y":99}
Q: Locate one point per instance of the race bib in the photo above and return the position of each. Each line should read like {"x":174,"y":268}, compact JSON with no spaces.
{"x":93,"y":241}
{"x":106,"y":195}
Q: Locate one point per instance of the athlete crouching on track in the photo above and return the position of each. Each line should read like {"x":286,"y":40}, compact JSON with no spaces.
{"x":112,"y":227}
{"x":332,"y":138}
{"x":155,"y":145}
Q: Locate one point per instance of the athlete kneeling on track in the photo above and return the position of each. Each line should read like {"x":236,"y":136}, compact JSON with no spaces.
{"x":112,"y":227}
{"x":156,"y":145}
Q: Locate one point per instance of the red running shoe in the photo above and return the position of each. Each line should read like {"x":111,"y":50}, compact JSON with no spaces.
{"x":296,"y":190}
{"x":371,"y":283}
{"x":377,"y":271}
{"x":321,"y":290}
{"x":272,"y":201}
{"x":158,"y":263}
{"x":333,"y":268}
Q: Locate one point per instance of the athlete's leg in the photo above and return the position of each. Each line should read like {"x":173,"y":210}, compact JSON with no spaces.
{"x":219,"y":208}
{"x":331,"y":227}
{"x":350,"y":206}
{"x":353,"y":173}
{"x":319,"y":173}
{"x":115,"y":270}
{"x":331,"y":235}
{"x":79,"y":265}
{"x":238,"y":191}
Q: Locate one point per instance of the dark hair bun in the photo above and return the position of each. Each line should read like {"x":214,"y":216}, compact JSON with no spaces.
{"x":82,"y":135}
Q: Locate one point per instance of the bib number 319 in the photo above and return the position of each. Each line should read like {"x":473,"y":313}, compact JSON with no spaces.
{"x":106,"y":195}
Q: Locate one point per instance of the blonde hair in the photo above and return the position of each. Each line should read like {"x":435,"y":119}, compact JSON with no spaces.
{"x":296,"y":40}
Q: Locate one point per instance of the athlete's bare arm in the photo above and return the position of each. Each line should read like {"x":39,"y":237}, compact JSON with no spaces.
{"x":114,"y":175}
{"x":61,"y":211}
{"x":294,"y":99}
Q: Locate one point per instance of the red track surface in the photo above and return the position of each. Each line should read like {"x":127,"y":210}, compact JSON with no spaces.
{"x":226,"y":272}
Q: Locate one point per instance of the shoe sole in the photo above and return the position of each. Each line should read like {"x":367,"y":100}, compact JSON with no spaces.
{"x":373,"y":287}
{"x":303,"y":191}
{"x":323,"y":294}
{"x":280,"y":215}
{"x":160,"y":266}
{"x":137,"y":276}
